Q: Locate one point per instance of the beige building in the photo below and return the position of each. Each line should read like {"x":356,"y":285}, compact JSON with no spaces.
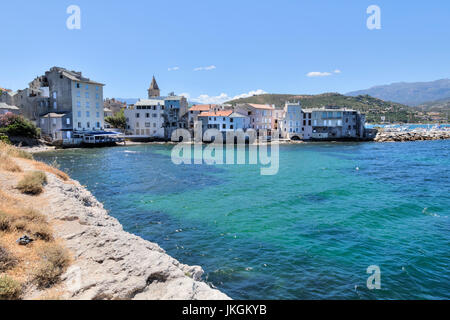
{"x":262,"y":117}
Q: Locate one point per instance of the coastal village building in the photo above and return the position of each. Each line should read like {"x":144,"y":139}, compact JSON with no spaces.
{"x":175,"y":114}
{"x":292,"y":126}
{"x":62,"y":95}
{"x":145,"y":119}
{"x":326,"y":123}
{"x":335,"y":122}
{"x":56,"y":125}
{"x":261,"y":116}
{"x":156,"y":117}
{"x":114,"y":105}
{"x":5,"y":108}
{"x":195,"y":111}
{"x":224,"y":120}
{"x":153,"y":91}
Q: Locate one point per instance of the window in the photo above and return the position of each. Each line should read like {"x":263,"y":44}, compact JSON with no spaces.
{"x":155,"y":115}
{"x":231,"y":120}
{"x":78,"y":94}
{"x":147,"y":115}
{"x":78,"y":104}
{"x":309,"y":122}
{"x":54,"y":121}
{"x":231,"y":126}
{"x":154,"y":125}
{"x":304,"y":122}
{"x":87,"y":95}
{"x":79,"y":124}
{"x":224,"y":126}
{"x":98,"y":124}
{"x":68,"y":121}
{"x":97,"y":105}
{"x":87,"y":87}
{"x":88,"y":105}
{"x":137,"y":115}
{"x":54,"y":105}
{"x":79,"y":114}
{"x":88,"y":125}
{"x":96,"y":96}
{"x":78,"y":85}
{"x":42,"y":121}
{"x":88,"y":114}
{"x":147,"y":124}
{"x":137,"y":124}
{"x":98,"y":114}
{"x":96,"y":88}
{"x":54,"y":94}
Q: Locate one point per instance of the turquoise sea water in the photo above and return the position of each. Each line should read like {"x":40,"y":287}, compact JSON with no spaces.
{"x":309,"y":232}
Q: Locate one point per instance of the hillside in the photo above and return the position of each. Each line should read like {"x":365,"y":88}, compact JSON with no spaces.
{"x":412,"y":94}
{"x":374,"y":108}
{"x":441,"y":106}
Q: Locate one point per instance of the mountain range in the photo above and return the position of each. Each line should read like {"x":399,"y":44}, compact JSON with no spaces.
{"x":409,"y":93}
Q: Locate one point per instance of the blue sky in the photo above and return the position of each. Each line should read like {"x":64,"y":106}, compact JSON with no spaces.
{"x":248,"y":46}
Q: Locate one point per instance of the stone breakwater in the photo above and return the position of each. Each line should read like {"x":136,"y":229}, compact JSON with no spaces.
{"x":110,"y":263}
{"x":412,"y":136}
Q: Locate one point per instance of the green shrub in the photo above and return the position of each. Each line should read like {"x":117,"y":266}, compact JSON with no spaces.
{"x":9,"y":289}
{"x":14,"y":125}
{"x":32,"y":183}
{"x":4,"y":138}
{"x":119,"y":121}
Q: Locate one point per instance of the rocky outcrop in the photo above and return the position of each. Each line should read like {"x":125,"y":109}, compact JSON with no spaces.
{"x":109,"y":263}
{"x":412,"y":136}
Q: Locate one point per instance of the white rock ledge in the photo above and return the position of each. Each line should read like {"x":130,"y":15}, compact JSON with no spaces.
{"x":110,"y":263}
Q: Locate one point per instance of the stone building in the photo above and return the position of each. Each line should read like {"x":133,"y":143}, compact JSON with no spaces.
{"x":327,"y":123}
{"x":63,"y":95}
{"x":114,"y":105}
{"x":153,"y":91}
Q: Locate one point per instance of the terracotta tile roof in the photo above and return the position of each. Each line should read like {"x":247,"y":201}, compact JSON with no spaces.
{"x":202,"y":107}
{"x":222,"y":113}
{"x":261,"y":106}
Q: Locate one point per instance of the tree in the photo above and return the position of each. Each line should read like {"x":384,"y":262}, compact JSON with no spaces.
{"x":14,"y":125}
{"x":118,"y":121}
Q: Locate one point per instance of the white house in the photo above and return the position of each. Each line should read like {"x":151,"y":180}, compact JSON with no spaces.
{"x":146,"y":119}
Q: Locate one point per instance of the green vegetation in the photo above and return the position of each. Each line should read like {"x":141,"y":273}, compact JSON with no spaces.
{"x":54,"y":262}
{"x":373,"y":108}
{"x":18,"y":126}
{"x":4,"y":138}
{"x":32,"y":183}
{"x":118,"y":121}
{"x":9,"y":288}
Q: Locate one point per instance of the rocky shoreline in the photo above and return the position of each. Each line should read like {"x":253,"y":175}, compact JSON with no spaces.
{"x":412,"y":136}
{"x":108,"y":263}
